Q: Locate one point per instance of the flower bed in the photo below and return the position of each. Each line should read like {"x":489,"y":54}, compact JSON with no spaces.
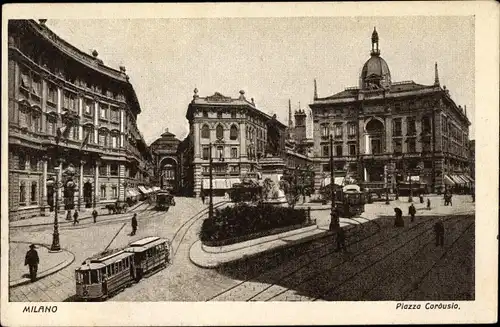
{"x":244,"y":222}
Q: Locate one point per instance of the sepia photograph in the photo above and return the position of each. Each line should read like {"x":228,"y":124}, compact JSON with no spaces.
{"x":316,"y":160}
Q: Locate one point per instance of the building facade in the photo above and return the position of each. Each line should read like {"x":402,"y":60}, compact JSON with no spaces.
{"x":167,"y":160}
{"x":391,"y":131}
{"x":68,"y":110}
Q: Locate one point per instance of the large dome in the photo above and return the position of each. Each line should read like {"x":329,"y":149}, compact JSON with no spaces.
{"x":375,"y":73}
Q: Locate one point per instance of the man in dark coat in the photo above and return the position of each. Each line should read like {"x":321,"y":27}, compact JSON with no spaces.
{"x":421,"y":196}
{"x":398,"y":221}
{"x":412,"y":211}
{"x":439,"y":232}
{"x":75,"y":218}
{"x":134,"y":224}
{"x":428,"y":204}
{"x":94,"y":215}
{"x":32,"y":261}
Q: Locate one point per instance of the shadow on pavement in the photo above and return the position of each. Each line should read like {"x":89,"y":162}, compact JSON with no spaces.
{"x":260,"y":268}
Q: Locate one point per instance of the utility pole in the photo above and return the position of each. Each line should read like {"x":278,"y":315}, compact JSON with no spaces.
{"x":333,"y":216}
{"x":386,"y":185}
{"x":211,"y":203}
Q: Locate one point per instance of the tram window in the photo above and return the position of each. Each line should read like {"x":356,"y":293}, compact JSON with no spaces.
{"x":79,"y":277}
{"x":85,"y":277}
{"x":93,"y":277}
{"x":112,"y":266}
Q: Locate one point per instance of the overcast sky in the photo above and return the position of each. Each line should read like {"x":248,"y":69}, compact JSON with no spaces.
{"x":272,"y":59}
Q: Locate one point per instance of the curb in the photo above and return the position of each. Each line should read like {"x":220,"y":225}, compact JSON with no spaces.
{"x":211,"y":264}
{"x":43,"y":274}
{"x":64,"y":221}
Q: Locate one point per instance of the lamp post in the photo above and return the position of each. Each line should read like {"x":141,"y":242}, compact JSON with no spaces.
{"x":333,"y":216}
{"x":386,"y":185}
{"x":211,"y":202}
{"x":56,"y":246}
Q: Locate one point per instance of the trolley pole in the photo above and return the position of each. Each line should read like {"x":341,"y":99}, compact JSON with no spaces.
{"x":211,"y":203}
{"x":56,"y":246}
{"x":333,"y":216}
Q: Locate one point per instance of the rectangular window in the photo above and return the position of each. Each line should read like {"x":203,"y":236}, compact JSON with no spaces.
{"x":338,"y":130}
{"x":338,"y":150}
{"x":234,"y":153}
{"x":113,"y":141}
{"x":205,"y":114}
{"x":103,"y":112}
{"x":326,"y":167}
{"x":427,"y":164}
{"x":352,"y":149}
{"x":114,"y":192}
{"x":325,"y":150}
{"x":396,"y":127}
{"x":36,"y":86}
{"x":219,"y":115}
{"x":25,"y":79}
{"x":22,"y":161}
{"x":103,"y":170}
{"x":88,"y":107}
{"x":22,"y":193}
{"x":411,"y":130}
{"x":220,"y":152}
{"x":33,"y":163}
{"x":205,"y":153}
{"x":426,"y":146}
{"x":113,"y":170}
{"x":375,"y":147}
{"x":351,"y":129}
{"x":220,"y":168}
{"x":411,"y":145}
{"x":397,"y":145}
{"x":51,"y":93}
{"x":103,"y":191}
{"x":325,"y":130}
{"x":34,"y":189}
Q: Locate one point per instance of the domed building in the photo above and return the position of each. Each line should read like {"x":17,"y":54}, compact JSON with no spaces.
{"x":391,"y":135}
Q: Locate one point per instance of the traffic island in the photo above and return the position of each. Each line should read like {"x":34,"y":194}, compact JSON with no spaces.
{"x":50,"y":263}
{"x":213,"y":256}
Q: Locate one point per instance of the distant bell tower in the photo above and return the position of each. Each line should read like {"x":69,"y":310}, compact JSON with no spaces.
{"x":300,"y":125}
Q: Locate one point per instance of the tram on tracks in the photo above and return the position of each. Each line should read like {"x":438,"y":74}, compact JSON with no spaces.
{"x":164,"y":200}
{"x":349,"y":199}
{"x":108,"y":273}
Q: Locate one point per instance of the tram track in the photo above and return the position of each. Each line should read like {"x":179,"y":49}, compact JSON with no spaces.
{"x":188,"y":224}
{"x":307,"y":253}
{"x":298,"y":268}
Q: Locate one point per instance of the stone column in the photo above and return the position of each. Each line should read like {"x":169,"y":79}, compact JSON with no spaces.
{"x":80,"y":185}
{"x":243,"y":141}
{"x":59,"y":100}
{"x":96,"y":182}
{"x":196,"y":140}
{"x":388,"y":135}
{"x":361,"y":136}
{"x":418,"y":130}
{"x":43,"y":120}
{"x":122,"y":128}
{"x":96,"y":121}
{"x":43,"y":203}
{"x":80,"y":114}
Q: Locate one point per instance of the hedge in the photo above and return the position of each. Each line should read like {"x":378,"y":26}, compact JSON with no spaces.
{"x":243,"y":220}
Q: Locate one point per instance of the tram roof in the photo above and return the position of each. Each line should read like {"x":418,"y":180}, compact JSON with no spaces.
{"x":134,"y":247}
{"x":145,"y":241}
{"x":91,"y":266}
{"x":111,"y":258}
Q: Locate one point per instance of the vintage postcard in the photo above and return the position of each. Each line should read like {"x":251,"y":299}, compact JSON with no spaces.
{"x":249,"y":163}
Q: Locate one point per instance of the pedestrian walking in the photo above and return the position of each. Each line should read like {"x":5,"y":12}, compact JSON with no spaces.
{"x":94,"y":215}
{"x":398,"y":221}
{"x":75,"y":218}
{"x":421,"y":196}
{"x":134,"y":224}
{"x":439,"y":232}
{"x":334,"y":220}
{"x":32,"y":260}
{"x":202,"y":197}
{"x":428,"y":204}
{"x":412,"y":211}
{"x":340,"y":240}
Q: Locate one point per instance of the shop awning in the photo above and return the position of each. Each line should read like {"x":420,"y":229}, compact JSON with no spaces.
{"x":132,"y":192}
{"x":457,"y":180}
{"x":448,"y":180}
{"x":338,"y":181}
{"x":462,"y":177}
{"x":469,"y":178}
{"x":144,"y":189}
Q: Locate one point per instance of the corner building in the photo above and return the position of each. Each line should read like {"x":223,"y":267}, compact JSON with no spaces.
{"x":395,"y":130}
{"x":50,"y":82}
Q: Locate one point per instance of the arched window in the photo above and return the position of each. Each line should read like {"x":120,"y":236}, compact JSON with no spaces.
{"x":103,"y":137}
{"x":325,"y":130}
{"x":205,"y":132}
{"x":219,"y":132}
{"x":233,"y":132}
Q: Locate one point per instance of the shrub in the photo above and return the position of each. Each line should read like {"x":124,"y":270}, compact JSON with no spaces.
{"x":242,"y":220}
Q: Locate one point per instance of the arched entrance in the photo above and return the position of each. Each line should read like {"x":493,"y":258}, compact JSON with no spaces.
{"x":169,"y":177}
{"x":374,"y":144}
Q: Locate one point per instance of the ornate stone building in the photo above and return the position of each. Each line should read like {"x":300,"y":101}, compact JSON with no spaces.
{"x":402,"y":128}
{"x":57,"y":92}
{"x":167,"y":161}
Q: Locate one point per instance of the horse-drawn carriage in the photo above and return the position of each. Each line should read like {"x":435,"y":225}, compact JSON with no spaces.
{"x":117,"y":207}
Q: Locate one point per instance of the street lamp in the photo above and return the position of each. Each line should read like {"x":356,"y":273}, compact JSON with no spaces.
{"x":333,"y":216}
{"x":56,"y":246}
{"x":211,"y":202}
{"x":386,"y":185}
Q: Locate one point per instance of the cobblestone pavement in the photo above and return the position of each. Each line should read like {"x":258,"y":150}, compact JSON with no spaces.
{"x":382,"y":262}
{"x":88,"y":239}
